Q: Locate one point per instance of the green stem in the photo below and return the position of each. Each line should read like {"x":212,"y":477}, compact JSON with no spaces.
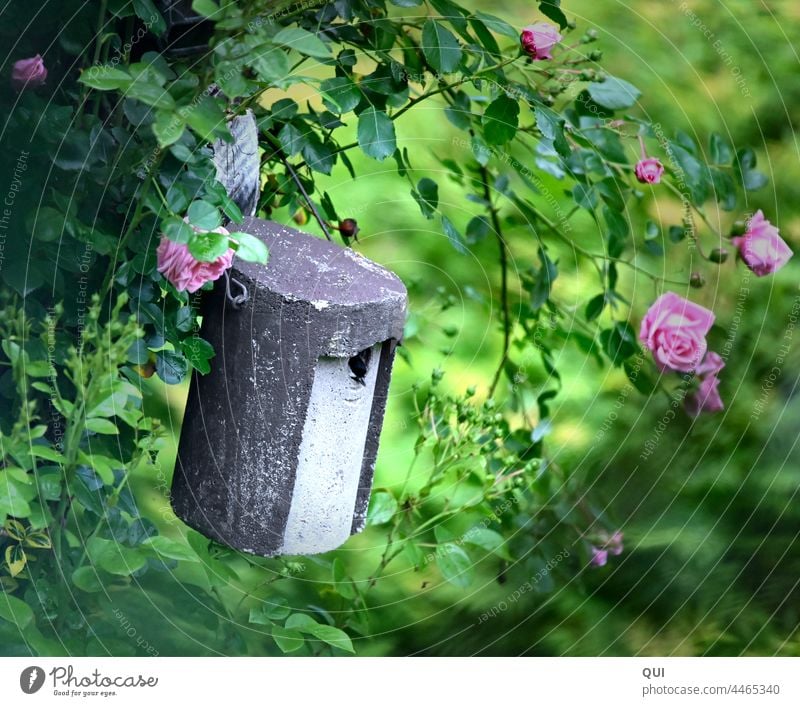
{"x":503,"y":254}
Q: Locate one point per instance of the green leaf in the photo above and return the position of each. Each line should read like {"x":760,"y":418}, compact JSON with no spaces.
{"x":477,"y":229}
{"x":552,"y":9}
{"x":171,"y":367}
{"x":551,"y":125}
{"x":382,"y":508}
{"x":460,"y":113}
{"x":543,"y":280}
{"x":47,"y":452}
{"x":639,"y":378}
{"x":376,"y":134}
{"x":198,"y":352}
{"x":455,"y":565}
{"x":696,"y":175}
{"x":341,"y":582}
{"x":149,"y":93}
{"x":455,"y":238}
{"x":251,"y":248}
{"x":489,"y":540}
{"x":724,"y":189}
{"x":319,"y":155}
{"x":326,"y":633}
{"x":12,"y":500}
{"x":497,"y":25}
{"x":440,"y":47}
{"x":101,"y":426}
{"x":206,"y":118}
{"x":86,"y":579}
{"x":427,"y":196}
{"x":287,"y":640}
{"x":204,"y":216}
{"x":15,"y":611}
{"x":595,"y":307}
{"x":168,"y":127}
{"x":177,"y":230}
{"x":207,"y":8}
{"x":208,"y":247}
{"x":614,"y":93}
{"x":271,"y":64}
{"x":170,"y":548}
{"x":618,"y":231}
{"x":105,"y":78}
{"x":115,"y":558}
{"x":500,"y":121}
{"x":303,"y":41}
{"x":619,"y":342}
{"x":342,"y":92}
{"x":719,"y":149}
{"x":291,"y":139}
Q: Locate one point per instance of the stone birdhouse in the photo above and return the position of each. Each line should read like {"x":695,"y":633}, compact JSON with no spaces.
{"x":279,"y":440}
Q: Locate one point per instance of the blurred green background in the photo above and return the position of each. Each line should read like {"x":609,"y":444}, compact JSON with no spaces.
{"x":711,"y":516}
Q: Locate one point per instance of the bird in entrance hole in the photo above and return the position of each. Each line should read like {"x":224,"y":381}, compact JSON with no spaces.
{"x":359,"y":364}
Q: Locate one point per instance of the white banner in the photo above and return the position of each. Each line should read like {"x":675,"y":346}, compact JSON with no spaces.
{"x":409,"y":681}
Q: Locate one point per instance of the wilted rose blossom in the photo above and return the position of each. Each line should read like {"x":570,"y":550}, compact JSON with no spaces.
{"x":538,"y":39}
{"x":675,"y":329}
{"x":599,"y":557}
{"x":28,"y":73}
{"x":178,"y":265}
{"x":706,"y":398}
{"x":761,"y":247}
{"x":649,"y":170}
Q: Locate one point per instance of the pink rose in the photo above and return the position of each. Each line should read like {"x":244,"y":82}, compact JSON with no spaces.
{"x":599,"y":557}
{"x":761,"y":247}
{"x":675,"y":329}
{"x":538,"y":39}
{"x":706,"y":398}
{"x":178,"y":265}
{"x":28,"y":73}
{"x":649,"y":170}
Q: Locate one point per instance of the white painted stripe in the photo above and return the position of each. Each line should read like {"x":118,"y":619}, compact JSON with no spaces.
{"x":331,"y":456}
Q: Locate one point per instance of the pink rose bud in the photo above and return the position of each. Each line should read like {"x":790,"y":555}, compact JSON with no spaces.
{"x":674,"y":329}
{"x":710,"y":365}
{"x":178,"y":265}
{"x":538,"y":39}
{"x":599,"y":557}
{"x":28,"y":73}
{"x":761,"y":247}
{"x":705,"y":399}
{"x":649,"y":170}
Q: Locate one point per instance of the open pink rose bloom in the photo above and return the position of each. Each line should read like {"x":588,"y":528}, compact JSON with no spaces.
{"x":761,"y":247}
{"x":178,"y":265}
{"x":675,"y":330}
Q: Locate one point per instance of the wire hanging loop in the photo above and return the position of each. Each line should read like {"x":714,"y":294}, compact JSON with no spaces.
{"x":236,"y":301}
